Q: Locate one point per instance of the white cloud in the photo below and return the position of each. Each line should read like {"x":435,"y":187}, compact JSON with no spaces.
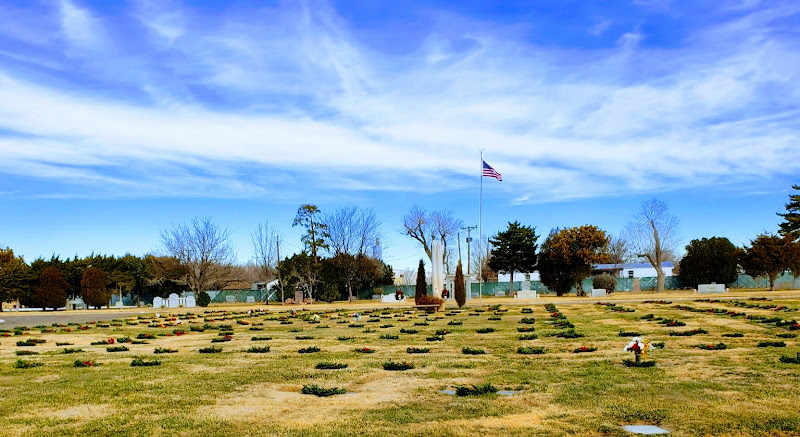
{"x":301,"y":99}
{"x":82,"y":31}
{"x":601,"y":27}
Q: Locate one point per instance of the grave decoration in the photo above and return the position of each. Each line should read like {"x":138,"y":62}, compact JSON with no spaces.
{"x":639,"y":347}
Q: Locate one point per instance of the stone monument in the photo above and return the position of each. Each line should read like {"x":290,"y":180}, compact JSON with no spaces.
{"x":437,"y":268}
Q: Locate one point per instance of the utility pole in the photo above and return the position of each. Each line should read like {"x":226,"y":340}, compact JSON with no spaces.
{"x":469,"y":240}
{"x":278,"y":268}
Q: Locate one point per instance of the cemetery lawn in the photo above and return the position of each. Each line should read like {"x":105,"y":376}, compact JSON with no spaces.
{"x":742,"y":390}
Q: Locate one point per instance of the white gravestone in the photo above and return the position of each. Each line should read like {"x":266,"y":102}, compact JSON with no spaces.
{"x":230,"y":298}
{"x":251,"y":299}
{"x":190,"y":302}
{"x":173,"y":301}
{"x":598,"y":292}
{"x":158,"y":302}
{"x":710,"y":288}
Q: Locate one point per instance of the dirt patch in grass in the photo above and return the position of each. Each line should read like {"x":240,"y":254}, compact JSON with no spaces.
{"x":81,"y":413}
{"x":279,"y":403}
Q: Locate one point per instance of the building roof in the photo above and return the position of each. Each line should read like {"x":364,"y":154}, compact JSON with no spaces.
{"x":628,"y":266}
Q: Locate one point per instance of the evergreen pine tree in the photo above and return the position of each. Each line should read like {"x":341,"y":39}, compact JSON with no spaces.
{"x":791,"y":226}
{"x":422,"y":286}
{"x":460,"y":291}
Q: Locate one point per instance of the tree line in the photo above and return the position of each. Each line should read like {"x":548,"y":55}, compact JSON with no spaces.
{"x":567,"y":256}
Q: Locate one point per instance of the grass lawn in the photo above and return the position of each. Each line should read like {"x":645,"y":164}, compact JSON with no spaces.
{"x":255,"y":384}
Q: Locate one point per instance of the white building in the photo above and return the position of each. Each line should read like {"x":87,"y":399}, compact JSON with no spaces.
{"x":634,"y":270}
{"x":627,"y":270}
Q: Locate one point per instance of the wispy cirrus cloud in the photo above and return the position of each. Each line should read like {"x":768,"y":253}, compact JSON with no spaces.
{"x":200,"y":105}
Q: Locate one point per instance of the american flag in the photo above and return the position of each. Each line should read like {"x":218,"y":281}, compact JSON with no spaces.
{"x":490,"y":172}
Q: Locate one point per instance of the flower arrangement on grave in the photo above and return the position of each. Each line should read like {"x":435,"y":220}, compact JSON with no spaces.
{"x":472,"y":351}
{"x":713,"y":347}
{"x":308,"y":350}
{"x":639,"y":346}
{"x":85,"y":363}
{"x":417,"y":350}
{"x":397,"y":366}
{"x":530,"y":350}
{"x":583,"y":349}
{"x":365,"y":350}
{"x":23,"y":364}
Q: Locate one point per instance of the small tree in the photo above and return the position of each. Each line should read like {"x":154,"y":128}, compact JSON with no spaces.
{"x":203,"y":299}
{"x":605,"y":281}
{"x":709,"y":260}
{"x":422,"y":286}
{"x":460,"y":292}
{"x":514,"y":250}
{"x":51,"y":292}
{"x":768,"y":256}
{"x":567,"y":257}
{"x":308,"y":216}
{"x":791,"y":225}
{"x":93,"y":288}
{"x":14,"y":276}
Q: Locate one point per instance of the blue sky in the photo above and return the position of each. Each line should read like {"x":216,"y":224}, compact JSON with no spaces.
{"x":120,"y":119}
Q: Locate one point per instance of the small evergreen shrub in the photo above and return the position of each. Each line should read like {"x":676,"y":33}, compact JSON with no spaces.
{"x":203,"y":299}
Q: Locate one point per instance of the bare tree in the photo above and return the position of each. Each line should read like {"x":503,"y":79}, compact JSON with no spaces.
{"x":351,"y":232}
{"x":426,"y":226}
{"x":481,"y":252}
{"x":653,"y":235}
{"x":407,"y":276}
{"x":205,"y":250}
{"x":265,"y":252}
{"x":617,"y":251}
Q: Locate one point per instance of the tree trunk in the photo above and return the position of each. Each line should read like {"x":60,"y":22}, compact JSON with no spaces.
{"x":511,"y":285}
{"x":660,"y":280}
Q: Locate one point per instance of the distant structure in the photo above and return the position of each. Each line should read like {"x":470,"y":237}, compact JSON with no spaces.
{"x":377,"y":252}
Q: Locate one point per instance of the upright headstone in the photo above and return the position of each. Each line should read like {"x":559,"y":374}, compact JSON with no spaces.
{"x":526,"y":283}
{"x":158,"y":302}
{"x":230,"y":298}
{"x":636,"y":285}
{"x":251,"y":299}
{"x":298,"y":296}
{"x":710,"y":288}
{"x":598,"y":292}
{"x":190,"y":302}
{"x":172,"y":301}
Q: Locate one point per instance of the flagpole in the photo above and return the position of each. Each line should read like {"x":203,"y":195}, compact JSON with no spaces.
{"x":480,"y":237}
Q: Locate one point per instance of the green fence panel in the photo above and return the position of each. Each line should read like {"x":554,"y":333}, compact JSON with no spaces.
{"x":221,"y":296}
